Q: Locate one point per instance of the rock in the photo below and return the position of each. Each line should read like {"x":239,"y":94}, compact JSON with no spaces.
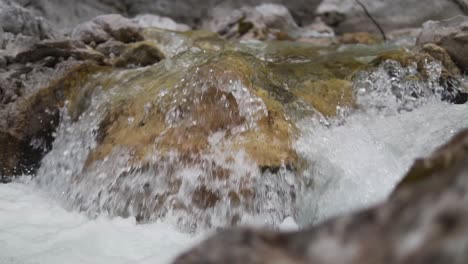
{"x":450,"y":34}
{"x":192,"y":12}
{"x":147,"y":21}
{"x":442,"y":55}
{"x":421,"y":222}
{"x":360,"y":38}
{"x":59,"y":49}
{"x":89,"y":32}
{"x":103,"y":27}
{"x":262,"y":22}
{"x":31,"y":112}
{"x":439,"y":80}
{"x":463,"y":5}
{"x":67,"y":14}
{"x":3,"y":62}
{"x":139,"y":54}
{"x":348,"y":16}
{"x":209,"y":109}
{"x":17,"y":20}
{"x":111,"y":48}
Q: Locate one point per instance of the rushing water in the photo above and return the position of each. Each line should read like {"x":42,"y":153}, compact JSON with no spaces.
{"x":354,"y":161}
{"x":356,"y":164}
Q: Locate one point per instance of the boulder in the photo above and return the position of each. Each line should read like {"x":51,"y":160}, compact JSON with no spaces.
{"x":348,"y":16}
{"x":450,"y":34}
{"x":202,"y":116}
{"x":425,"y":220}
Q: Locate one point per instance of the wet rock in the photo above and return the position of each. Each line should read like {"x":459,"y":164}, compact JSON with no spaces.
{"x":427,"y":74}
{"x":31,"y":99}
{"x":103,"y":27}
{"x":422,"y":221}
{"x":442,"y":55}
{"x":148,"y":21}
{"x":348,"y":16}
{"x":450,"y":34}
{"x":59,"y":49}
{"x":209,"y":110}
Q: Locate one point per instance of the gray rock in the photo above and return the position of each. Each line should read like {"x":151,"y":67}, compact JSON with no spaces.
{"x":66,"y":14}
{"x":88,"y":32}
{"x":17,"y":20}
{"x":69,"y":13}
{"x":103,"y":27}
{"x":348,"y":16}
{"x":192,"y":12}
{"x":259,"y":22}
{"x":450,"y":34}
{"x":424,"y":221}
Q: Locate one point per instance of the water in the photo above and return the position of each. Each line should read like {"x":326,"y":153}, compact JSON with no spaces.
{"x":356,"y":165}
{"x":354,"y":161}
{"x":36,"y":229}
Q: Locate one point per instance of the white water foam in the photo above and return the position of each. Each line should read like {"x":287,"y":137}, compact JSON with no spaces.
{"x":35,"y":229}
{"x":357,"y":164}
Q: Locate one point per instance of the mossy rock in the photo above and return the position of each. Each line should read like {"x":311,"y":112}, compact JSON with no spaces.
{"x":199,"y":113}
{"x":325,"y":96}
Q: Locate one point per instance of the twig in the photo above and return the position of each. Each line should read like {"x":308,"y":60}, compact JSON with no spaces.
{"x":382,"y":32}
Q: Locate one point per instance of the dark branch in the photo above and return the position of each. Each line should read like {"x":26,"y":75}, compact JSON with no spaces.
{"x":382,"y":32}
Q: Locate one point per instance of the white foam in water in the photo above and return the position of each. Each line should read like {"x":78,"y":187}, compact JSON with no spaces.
{"x":35,"y":229}
{"x":358,"y":164}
